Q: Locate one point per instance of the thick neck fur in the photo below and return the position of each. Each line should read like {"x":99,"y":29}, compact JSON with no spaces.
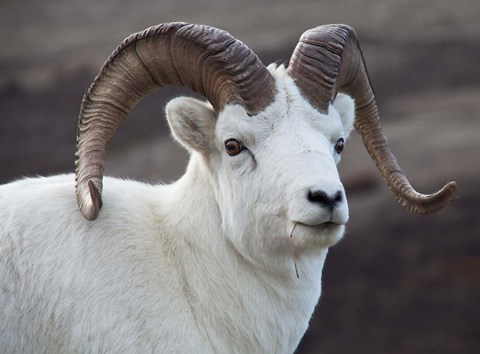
{"x":242,"y":305}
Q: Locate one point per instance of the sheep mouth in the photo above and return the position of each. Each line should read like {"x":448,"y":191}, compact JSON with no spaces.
{"x":327,"y":230}
{"x":322,"y":226}
{"x":323,"y":235}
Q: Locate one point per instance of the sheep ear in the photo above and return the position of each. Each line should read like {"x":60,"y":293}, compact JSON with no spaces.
{"x":345,"y":107}
{"x":192,"y":123}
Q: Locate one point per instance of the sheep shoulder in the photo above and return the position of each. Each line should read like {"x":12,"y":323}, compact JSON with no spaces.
{"x":55,"y":265}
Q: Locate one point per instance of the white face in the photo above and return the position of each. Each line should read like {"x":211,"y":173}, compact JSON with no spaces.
{"x":285,"y":176}
{"x":277,"y":171}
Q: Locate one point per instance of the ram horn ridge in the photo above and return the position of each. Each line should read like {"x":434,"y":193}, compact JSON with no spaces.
{"x":205,"y":59}
{"x":328,"y":60}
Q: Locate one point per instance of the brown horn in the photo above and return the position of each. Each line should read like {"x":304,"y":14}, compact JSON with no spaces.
{"x":327,"y":60}
{"x":205,"y":59}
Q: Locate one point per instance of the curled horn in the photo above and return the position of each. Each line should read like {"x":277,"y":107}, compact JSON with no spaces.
{"x":205,"y":59}
{"x":328,"y":60}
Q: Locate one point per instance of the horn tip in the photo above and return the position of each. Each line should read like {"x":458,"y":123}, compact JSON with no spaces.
{"x":450,"y":190}
{"x":96,"y":201}
{"x":437,"y":201}
{"x":90,"y":202}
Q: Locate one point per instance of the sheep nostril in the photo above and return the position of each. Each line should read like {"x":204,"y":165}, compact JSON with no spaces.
{"x":338,"y":197}
{"x":325,"y":200}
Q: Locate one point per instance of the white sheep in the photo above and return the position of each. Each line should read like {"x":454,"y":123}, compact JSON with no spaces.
{"x":206,"y":264}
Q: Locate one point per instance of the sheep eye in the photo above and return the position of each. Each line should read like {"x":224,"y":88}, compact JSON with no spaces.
{"x":233,"y":147}
{"x":340,"y":144}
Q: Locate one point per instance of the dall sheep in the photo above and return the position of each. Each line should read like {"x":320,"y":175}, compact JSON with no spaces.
{"x":203,"y":265}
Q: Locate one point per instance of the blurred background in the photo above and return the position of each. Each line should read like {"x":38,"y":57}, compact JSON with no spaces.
{"x":397,"y":283}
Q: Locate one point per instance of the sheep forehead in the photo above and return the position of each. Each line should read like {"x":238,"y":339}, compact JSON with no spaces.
{"x":289,"y":112}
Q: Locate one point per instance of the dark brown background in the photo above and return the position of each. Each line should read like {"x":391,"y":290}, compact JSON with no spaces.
{"x":397,"y":283}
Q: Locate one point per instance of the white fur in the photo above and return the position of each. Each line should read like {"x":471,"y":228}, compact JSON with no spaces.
{"x":199,"y":266}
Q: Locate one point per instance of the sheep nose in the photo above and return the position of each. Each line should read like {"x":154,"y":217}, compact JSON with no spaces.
{"x":325,"y":200}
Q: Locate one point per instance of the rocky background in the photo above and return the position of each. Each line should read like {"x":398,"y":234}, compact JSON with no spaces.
{"x":397,"y":283}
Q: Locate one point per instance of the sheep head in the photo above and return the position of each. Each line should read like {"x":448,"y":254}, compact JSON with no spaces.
{"x":279,"y":130}
{"x":273,"y":171}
